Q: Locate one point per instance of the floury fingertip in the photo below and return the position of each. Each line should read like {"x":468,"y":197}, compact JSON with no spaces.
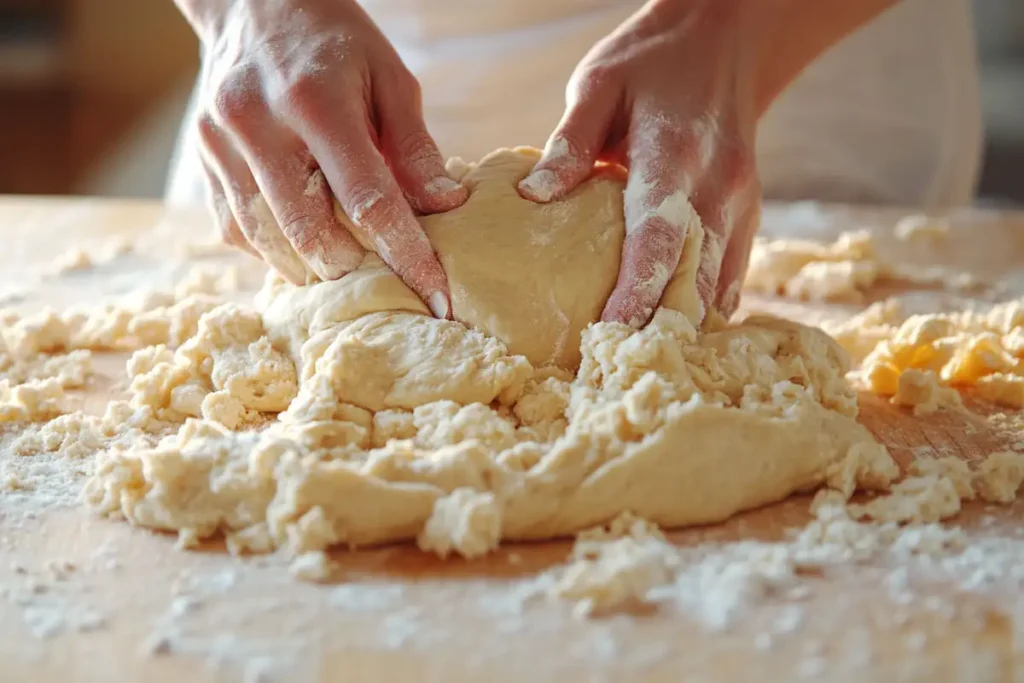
{"x":540,"y":185}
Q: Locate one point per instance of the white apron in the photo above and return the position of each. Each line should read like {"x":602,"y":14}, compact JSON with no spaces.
{"x":890,"y":115}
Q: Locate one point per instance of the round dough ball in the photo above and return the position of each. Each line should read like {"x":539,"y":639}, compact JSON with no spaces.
{"x":531,"y":275}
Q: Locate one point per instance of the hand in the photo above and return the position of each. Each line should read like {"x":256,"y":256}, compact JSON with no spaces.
{"x":669,"y":96}
{"x":300,"y":98}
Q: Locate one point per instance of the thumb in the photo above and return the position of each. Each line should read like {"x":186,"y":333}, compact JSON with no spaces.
{"x":570,"y":152}
{"x":411,"y":151}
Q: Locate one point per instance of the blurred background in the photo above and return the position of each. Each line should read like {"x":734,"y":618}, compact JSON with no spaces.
{"x":90,"y":106}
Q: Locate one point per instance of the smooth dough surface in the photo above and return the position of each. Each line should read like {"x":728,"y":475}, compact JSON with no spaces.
{"x":530,"y":275}
{"x":395,"y":425}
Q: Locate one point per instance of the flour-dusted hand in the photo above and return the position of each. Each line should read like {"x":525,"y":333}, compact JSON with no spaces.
{"x":667,"y":96}
{"x":304,"y":98}
{"x":675,"y":94}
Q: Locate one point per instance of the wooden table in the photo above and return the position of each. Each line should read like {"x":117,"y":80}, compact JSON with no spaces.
{"x":398,"y":614}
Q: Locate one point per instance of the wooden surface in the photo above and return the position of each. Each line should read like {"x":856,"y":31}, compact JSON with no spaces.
{"x":398,"y":614}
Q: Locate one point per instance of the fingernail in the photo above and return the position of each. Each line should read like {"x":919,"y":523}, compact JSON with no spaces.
{"x":439,"y":306}
{"x":540,"y":185}
{"x":442,"y":185}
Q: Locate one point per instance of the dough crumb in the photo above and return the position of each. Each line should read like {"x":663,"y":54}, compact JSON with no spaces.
{"x":466,"y":522}
{"x":920,"y":499}
{"x":615,"y":566}
{"x":70,"y":260}
{"x":999,"y":477}
{"x":921,"y":391}
{"x":313,"y":566}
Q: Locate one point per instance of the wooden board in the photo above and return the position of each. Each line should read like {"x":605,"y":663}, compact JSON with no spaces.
{"x":395,"y":613}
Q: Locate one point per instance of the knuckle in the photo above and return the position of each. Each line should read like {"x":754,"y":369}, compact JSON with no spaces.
{"x":594,"y":78}
{"x":300,"y":93}
{"x":657,"y":236}
{"x":237,"y":96}
{"x":300,"y":227}
{"x":404,"y":81}
{"x":569,"y":149}
{"x":418,"y":148}
{"x":366,"y":204}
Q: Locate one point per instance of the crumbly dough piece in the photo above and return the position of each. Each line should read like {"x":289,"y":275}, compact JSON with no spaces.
{"x":804,"y":269}
{"x":922,"y":392}
{"x":453,"y":437}
{"x":838,"y":272}
{"x":969,"y":349}
{"x":142,"y":319}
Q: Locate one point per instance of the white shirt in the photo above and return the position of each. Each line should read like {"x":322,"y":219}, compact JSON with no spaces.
{"x":890,"y":115}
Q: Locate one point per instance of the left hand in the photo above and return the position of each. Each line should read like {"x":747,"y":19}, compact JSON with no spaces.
{"x":669,"y":95}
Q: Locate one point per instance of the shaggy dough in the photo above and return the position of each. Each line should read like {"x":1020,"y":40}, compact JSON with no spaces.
{"x":845,"y":269}
{"x":398,"y":426}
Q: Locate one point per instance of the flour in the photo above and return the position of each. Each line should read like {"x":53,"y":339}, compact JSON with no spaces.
{"x":541,"y":185}
{"x":52,"y":603}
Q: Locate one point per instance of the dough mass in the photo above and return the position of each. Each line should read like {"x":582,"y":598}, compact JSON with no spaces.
{"x":530,"y":422}
{"x":530,"y":275}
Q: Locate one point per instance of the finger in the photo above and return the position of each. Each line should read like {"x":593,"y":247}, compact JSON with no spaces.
{"x":716,"y":219}
{"x":230,"y":233}
{"x":572,"y":149}
{"x":299,"y":198}
{"x":658,"y":215}
{"x":737,"y":256}
{"x":250,"y":209}
{"x":372,"y":199}
{"x":414,"y":157}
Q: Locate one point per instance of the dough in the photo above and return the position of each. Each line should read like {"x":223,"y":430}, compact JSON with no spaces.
{"x":983,"y":351}
{"x":530,"y":275}
{"x":397,"y":425}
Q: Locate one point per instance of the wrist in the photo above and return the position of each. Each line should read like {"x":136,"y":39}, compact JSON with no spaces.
{"x":207,"y":17}
{"x":717,"y":35}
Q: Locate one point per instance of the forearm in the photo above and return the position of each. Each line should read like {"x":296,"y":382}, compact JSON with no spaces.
{"x":788,"y":35}
{"x":774,"y":40}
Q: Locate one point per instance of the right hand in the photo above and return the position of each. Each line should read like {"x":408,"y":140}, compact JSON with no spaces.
{"x":299,"y":98}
